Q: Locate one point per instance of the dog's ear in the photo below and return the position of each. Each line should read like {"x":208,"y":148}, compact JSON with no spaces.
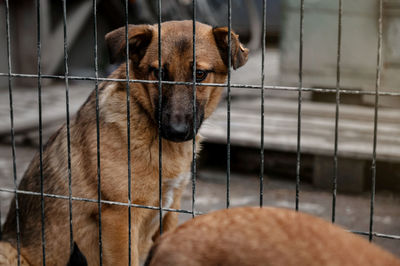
{"x":239,"y":53}
{"x":139,"y":37}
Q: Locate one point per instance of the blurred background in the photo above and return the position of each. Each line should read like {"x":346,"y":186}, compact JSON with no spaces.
{"x":359,"y":46}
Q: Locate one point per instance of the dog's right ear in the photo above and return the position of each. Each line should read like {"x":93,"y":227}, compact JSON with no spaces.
{"x":139,"y":37}
{"x":239,"y":53}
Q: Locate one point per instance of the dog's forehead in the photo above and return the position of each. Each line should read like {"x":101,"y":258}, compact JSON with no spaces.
{"x":179,"y":35}
{"x":184,"y":27}
{"x":177,"y":45}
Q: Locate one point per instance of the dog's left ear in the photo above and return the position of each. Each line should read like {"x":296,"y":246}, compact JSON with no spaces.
{"x":239,"y":53}
{"x":139,"y":37}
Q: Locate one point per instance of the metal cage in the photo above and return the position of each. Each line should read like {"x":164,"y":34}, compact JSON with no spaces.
{"x":261,"y":88}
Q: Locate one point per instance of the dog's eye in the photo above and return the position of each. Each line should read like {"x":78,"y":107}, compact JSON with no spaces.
{"x":156,"y":72}
{"x":201,"y":75}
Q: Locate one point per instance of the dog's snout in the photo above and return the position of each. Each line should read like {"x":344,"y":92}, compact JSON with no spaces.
{"x":178,"y":118}
{"x":176,"y":126}
{"x":179,"y":130}
{"x":177,"y":114}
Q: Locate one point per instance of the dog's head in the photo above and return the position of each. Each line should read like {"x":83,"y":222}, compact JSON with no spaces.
{"x":177,"y":117}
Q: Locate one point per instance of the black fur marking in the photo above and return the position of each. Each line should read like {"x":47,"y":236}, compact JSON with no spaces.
{"x":77,"y":258}
{"x":182,"y":45}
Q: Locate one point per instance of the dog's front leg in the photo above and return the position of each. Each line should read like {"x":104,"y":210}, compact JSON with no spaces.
{"x":170,"y":219}
{"x":115,"y":236}
{"x":169,"y":222}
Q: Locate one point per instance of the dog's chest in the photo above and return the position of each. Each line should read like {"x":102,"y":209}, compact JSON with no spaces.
{"x":169,"y":188}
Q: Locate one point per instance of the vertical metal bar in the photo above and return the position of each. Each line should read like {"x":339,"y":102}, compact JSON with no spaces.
{"x":194,"y":164}
{"x":299,"y":105}
{"x":39,"y":47}
{"x":160,"y":74}
{"x":128,"y":125}
{"x":66,"y":73}
{"x":12,"y":131}
{"x":228,"y":135}
{"x":96,"y":73}
{"x":335,"y":156}
{"x":264,"y":29}
{"x":377,"y":86}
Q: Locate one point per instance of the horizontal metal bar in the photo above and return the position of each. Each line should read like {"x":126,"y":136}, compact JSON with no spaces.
{"x":381,"y":235}
{"x":244,"y":86}
{"x":395,"y":237}
{"x":96,"y":201}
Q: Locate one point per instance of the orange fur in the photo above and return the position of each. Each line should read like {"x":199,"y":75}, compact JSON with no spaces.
{"x":264,"y":236}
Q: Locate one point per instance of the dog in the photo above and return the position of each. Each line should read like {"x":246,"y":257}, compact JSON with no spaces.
{"x":177,"y":133}
{"x":250,"y":236}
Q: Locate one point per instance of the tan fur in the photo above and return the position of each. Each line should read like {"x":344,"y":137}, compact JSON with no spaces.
{"x":9,"y":255}
{"x":264,"y":236}
{"x":176,"y":156}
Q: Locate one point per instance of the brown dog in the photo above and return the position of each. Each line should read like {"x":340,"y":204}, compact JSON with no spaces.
{"x":176,"y":131}
{"x":264,"y":236}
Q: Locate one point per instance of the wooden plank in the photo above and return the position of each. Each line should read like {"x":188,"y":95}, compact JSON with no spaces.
{"x":25,"y":107}
{"x":318,"y":128}
{"x":322,"y":109}
{"x":53,"y":43}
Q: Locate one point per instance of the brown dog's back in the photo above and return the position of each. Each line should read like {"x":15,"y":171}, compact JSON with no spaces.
{"x":264,"y":236}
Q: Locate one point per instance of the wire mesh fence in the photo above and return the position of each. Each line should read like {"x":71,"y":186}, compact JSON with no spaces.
{"x":262,"y":88}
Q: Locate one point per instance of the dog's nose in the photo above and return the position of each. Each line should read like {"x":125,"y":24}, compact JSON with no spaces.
{"x":179,"y":128}
{"x":178,"y":131}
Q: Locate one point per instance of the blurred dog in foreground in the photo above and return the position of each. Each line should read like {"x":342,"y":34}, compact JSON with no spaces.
{"x":177,"y":131}
{"x":264,"y":236}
